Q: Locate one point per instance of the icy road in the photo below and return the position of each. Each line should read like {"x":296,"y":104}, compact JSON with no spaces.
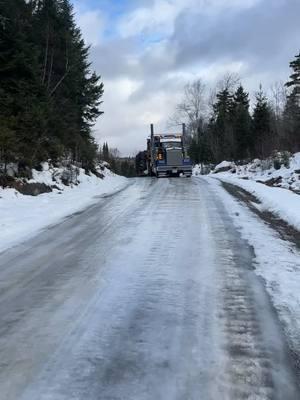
{"x":149,"y":294}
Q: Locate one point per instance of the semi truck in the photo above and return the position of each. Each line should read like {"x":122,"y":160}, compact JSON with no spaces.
{"x":166,"y":155}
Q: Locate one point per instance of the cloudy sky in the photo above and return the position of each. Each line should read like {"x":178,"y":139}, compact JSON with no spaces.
{"x":146,"y":50}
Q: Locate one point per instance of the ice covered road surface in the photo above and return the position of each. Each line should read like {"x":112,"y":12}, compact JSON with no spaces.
{"x":147,"y":295}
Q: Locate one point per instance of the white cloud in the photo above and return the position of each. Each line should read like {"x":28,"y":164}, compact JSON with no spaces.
{"x":158,"y":19}
{"x":160,"y":16}
{"x":153,"y":50}
{"x":125,"y":123}
{"x":92,"y":24}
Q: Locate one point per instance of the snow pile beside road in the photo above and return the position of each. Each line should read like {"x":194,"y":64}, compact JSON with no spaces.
{"x":254,"y":179}
{"x":277,"y":261}
{"x":202,"y":169}
{"x":63,"y":176}
{"x":279,"y":171}
{"x":283,"y":203}
{"x":197,"y":170}
{"x":21,"y":217}
{"x":224,"y":166}
{"x":285,"y":176}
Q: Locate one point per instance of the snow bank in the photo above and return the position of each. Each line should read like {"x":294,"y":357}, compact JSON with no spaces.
{"x":261,"y":179}
{"x":286,"y":174}
{"x":277,"y":261}
{"x":224,"y":166}
{"x":202,"y":169}
{"x":197,"y":170}
{"x":283,"y":203}
{"x":21,"y":217}
{"x":287,"y":177}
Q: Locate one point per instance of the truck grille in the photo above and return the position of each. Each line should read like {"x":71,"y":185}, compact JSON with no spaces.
{"x":174,"y":157}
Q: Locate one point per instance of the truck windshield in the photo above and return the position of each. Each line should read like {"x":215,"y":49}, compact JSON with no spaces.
{"x":172,"y":145}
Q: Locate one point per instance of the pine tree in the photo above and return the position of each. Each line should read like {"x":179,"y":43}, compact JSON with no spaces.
{"x":221,"y":127}
{"x":261,"y":126}
{"x":22,"y":106}
{"x":295,"y":77}
{"x":199,"y":148}
{"x":105,"y":152}
{"x":241,"y":124}
{"x":291,"y":122}
{"x":73,"y":91}
{"x":194,"y":151}
{"x":292,"y":109}
{"x":49,"y":97}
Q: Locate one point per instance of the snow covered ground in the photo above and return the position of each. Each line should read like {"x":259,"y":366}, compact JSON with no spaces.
{"x":280,"y":199}
{"x":281,"y":202}
{"x":21,"y":217}
{"x":287,"y":177}
{"x":277,"y":261}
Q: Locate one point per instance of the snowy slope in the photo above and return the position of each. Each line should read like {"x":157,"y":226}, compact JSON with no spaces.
{"x":281,"y":202}
{"x":282,"y":198}
{"x":21,"y":217}
{"x":263,"y":171}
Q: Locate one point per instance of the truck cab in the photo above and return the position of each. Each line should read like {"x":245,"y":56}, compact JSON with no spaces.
{"x":168,"y":155}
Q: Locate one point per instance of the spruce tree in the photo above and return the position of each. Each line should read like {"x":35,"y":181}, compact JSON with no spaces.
{"x":194,"y":151}
{"x":105,"y":152}
{"x":291,"y":123}
{"x":73,"y":91}
{"x":241,"y":124}
{"x":292,"y":109}
{"x":221,"y":127}
{"x":261,"y":126}
{"x":22,"y":105}
{"x":294,"y":81}
{"x":49,"y":97}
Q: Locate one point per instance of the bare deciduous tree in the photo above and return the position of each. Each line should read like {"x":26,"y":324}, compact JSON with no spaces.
{"x":193,"y":108}
{"x":278,"y":97}
{"x":229,"y":82}
{"x":114,"y":152}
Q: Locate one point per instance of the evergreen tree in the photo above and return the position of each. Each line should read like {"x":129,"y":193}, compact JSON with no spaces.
{"x":221,"y":127}
{"x":295,"y":77}
{"x":22,"y":104}
{"x":292,"y":109}
{"x":241,"y":124}
{"x":49,"y":97}
{"x":205,"y":154}
{"x":194,"y":151}
{"x":105,"y":152}
{"x":199,"y":149}
{"x":72,"y":90}
{"x":261,"y":126}
{"x":291,"y":121}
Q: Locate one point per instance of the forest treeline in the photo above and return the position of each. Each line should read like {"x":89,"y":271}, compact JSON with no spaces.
{"x":124,"y":166}
{"x":223,"y":125}
{"x":49,"y":96}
